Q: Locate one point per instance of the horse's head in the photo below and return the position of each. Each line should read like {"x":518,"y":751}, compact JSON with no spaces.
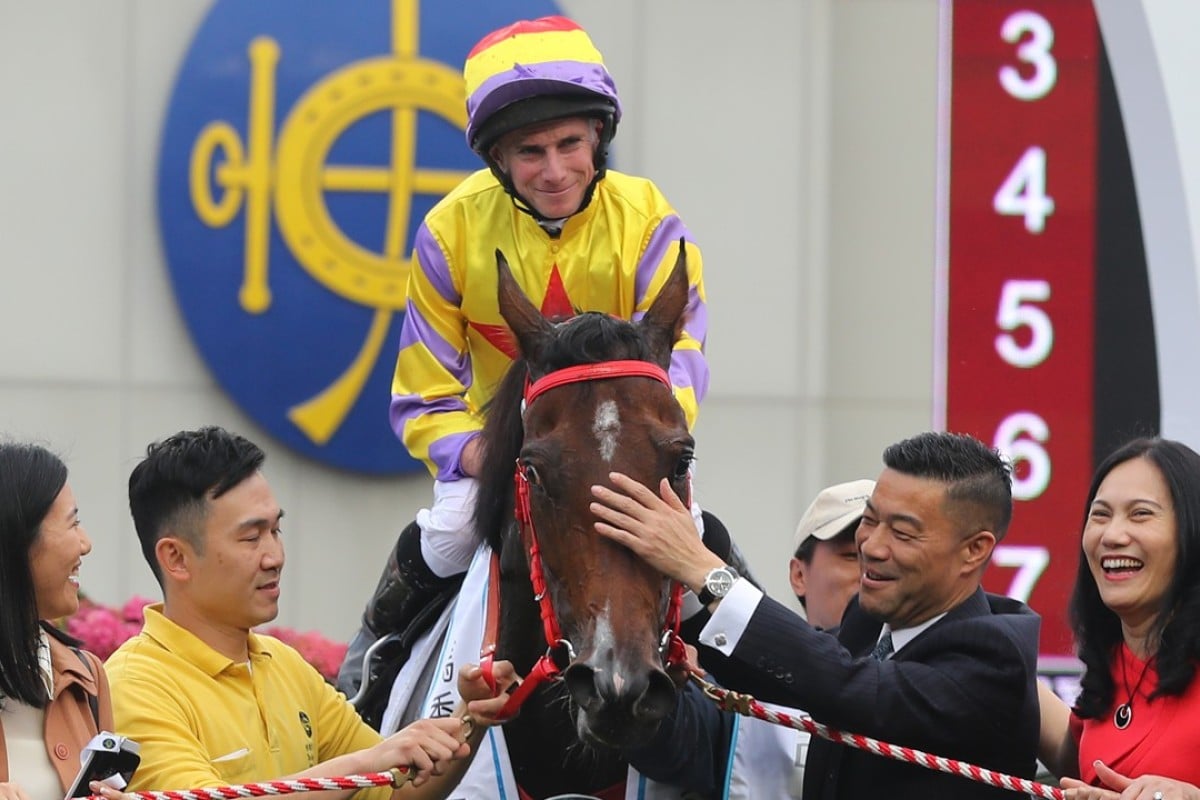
{"x":610,"y":606}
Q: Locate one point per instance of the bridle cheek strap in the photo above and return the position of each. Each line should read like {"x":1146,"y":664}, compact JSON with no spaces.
{"x":673,"y":650}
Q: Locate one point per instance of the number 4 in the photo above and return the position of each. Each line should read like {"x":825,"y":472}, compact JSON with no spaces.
{"x":1023,"y":192}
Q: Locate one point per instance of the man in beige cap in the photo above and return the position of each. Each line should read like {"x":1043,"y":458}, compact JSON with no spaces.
{"x":824,"y":570}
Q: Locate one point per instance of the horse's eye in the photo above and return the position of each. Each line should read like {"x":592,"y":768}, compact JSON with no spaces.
{"x":531,"y":474}
{"x":682,"y":466}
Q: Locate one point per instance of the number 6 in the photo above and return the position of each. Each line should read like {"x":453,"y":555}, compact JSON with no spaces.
{"x":1020,"y":437}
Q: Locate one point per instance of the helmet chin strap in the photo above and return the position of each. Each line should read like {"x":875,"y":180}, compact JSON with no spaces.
{"x":521,"y":204}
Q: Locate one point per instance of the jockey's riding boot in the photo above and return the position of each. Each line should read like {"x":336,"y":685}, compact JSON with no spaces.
{"x":407,"y":592}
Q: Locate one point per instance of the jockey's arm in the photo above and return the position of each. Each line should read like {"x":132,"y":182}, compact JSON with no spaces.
{"x":429,"y":411}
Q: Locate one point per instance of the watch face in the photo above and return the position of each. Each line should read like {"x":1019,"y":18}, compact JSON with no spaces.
{"x":719,"y":582}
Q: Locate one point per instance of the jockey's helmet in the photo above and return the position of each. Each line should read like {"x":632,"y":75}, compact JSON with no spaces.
{"x":536,"y":71}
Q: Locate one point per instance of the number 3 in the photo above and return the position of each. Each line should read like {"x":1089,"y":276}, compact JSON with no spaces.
{"x":1036,"y":51}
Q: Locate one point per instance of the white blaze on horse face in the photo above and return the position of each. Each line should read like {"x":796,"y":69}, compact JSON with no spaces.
{"x":604,"y":641}
{"x":607,"y":427}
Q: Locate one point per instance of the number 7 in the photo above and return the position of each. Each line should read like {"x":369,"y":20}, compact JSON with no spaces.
{"x":1030,"y":561}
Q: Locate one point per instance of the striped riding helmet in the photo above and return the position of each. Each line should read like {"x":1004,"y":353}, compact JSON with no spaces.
{"x":535,"y":71}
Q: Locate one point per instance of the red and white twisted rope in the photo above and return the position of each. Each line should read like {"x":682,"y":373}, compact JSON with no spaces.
{"x":746,"y":705}
{"x":395,"y":778}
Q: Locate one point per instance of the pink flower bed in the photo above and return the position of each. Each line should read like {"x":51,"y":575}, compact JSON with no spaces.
{"x":103,"y":629}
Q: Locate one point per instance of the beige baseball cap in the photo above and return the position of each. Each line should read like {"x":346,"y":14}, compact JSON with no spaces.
{"x":833,"y":509}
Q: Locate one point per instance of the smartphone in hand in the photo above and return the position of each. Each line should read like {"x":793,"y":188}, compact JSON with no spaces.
{"x":104,"y":756}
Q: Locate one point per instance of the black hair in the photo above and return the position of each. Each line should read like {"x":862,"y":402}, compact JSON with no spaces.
{"x":31,"y":478}
{"x":171,"y":487}
{"x":978,"y":479}
{"x":1176,"y":629}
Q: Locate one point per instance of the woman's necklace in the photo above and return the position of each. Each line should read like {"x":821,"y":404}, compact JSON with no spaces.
{"x":1124,"y":713}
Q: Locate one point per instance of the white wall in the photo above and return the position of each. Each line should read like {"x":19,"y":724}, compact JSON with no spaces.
{"x":796,"y":137}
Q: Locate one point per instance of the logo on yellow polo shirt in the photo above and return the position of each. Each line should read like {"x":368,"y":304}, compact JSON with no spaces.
{"x":302,"y":147}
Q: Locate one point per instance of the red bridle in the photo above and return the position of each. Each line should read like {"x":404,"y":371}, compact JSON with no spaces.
{"x":559,"y":652}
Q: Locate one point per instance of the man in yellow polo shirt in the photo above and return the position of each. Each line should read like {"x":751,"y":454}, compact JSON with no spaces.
{"x":211,"y":702}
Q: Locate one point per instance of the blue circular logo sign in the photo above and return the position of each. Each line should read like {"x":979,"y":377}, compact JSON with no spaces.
{"x":303,"y":145}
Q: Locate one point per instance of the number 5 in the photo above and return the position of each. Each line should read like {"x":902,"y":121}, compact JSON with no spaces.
{"x":1015,"y":311}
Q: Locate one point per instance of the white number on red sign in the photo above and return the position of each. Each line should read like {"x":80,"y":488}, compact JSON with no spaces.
{"x":1016,"y":310}
{"x":1030,"y":562}
{"x":1020,"y":437}
{"x":1034,"y":51}
{"x":1023,"y":193}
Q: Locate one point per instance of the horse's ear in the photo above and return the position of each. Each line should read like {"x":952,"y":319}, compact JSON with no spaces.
{"x":527,"y":323}
{"x":663,"y":323}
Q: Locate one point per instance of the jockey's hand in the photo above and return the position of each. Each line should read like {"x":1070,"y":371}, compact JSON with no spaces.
{"x":482,"y":705}
{"x":658,"y":527}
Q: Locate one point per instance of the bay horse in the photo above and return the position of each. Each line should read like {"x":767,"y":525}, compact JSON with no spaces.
{"x":609,"y":608}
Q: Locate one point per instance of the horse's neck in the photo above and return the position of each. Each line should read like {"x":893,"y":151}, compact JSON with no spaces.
{"x":547,"y":756}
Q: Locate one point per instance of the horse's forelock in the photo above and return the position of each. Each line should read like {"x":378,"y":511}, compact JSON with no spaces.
{"x":591,"y":338}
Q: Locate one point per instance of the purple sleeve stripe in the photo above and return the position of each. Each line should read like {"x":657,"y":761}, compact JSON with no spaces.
{"x":410,"y":406}
{"x":688,"y":368}
{"x":417,"y":330}
{"x":663,"y":242}
{"x":696,"y":321}
{"x":446,"y":453}
{"x":433,"y":264}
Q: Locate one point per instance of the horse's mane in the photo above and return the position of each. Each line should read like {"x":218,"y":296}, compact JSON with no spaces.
{"x":587,"y":338}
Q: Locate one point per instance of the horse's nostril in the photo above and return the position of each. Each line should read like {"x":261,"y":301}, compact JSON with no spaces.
{"x":581,"y":684}
{"x":659,"y":698}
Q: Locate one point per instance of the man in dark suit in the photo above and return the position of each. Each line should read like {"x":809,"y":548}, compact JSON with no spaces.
{"x":923,"y":658}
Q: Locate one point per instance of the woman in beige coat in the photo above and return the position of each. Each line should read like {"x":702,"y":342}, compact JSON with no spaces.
{"x":53,"y":696}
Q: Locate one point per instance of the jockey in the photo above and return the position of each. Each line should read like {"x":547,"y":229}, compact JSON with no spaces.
{"x":542,"y":111}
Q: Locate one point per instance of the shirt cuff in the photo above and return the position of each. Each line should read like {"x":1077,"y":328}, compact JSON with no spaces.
{"x":729,"y":621}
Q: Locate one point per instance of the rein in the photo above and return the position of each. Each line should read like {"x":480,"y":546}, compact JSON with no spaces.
{"x":746,"y":705}
{"x":559,"y":651}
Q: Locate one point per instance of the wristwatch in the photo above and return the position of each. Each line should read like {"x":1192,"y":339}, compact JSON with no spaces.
{"x":717,"y":584}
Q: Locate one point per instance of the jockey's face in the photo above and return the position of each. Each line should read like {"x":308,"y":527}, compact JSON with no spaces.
{"x":551,"y":164}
